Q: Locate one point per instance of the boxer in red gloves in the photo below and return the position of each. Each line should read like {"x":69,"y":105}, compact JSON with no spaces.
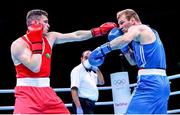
{"x":31,"y":55}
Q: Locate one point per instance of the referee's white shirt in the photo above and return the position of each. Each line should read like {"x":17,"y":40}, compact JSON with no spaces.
{"x":86,"y":82}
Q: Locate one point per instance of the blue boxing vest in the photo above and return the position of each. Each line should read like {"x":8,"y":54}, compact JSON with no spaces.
{"x":150,"y":56}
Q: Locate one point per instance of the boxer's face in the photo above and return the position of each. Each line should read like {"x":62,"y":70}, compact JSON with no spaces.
{"x":124,"y":24}
{"x":44,"y":20}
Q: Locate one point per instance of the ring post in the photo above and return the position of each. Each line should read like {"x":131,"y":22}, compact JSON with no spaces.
{"x":120,"y":91}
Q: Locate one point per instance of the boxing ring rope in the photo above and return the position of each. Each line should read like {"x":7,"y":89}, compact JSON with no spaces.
{"x":99,"y":88}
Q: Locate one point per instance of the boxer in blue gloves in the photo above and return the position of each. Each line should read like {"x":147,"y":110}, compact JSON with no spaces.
{"x":152,"y":92}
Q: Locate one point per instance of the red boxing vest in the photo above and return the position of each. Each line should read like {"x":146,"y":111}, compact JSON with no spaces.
{"x":23,"y":72}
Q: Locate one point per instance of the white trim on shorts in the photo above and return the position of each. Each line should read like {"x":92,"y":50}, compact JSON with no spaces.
{"x":36,"y":82}
{"x":152,"y":72}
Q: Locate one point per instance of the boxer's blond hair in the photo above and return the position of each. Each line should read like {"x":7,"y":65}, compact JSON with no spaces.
{"x":129,"y":13}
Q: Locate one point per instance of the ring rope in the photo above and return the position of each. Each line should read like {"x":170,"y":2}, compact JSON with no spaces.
{"x":99,"y":88}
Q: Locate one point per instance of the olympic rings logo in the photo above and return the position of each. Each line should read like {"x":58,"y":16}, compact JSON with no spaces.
{"x":119,"y":82}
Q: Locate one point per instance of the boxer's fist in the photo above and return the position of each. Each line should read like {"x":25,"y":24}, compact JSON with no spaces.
{"x":35,"y":35}
{"x":97,"y":56}
{"x":115,"y":32}
{"x":103,"y":29}
{"x":87,"y":65}
{"x":35,"y":32}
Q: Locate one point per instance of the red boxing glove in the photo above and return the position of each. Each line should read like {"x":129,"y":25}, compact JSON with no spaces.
{"x":35,"y":35}
{"x":103,"y":29}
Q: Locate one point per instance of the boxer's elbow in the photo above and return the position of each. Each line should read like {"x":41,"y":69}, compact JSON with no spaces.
{"x":36,"y":70}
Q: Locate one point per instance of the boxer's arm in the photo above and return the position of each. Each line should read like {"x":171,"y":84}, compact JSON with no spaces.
{"x":81,"y":35}
{"x":124,"y":39}
{"x":59,"y":38}
{"x":130,"y":57}
{"x":24,"y":55}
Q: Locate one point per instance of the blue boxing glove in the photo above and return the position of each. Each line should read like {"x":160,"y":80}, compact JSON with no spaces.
{"x":97,"y":56}
{"x":115,"y":32}
{"x":88,"y":66}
